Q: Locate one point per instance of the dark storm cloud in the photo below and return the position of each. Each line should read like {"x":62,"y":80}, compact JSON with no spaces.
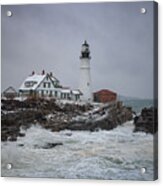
{"x":49,"y":37}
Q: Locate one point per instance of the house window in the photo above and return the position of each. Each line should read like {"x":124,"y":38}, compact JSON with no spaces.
{"x":44,"y":85}
{"x":68,"y":96}
{"x":30,"y":83}
{"x":27,"y":84}
{"x":48,"y":85}
{"x":50,"y":93}
{"x":61,"y":95}
{"x":76,"y":97}
{"x":55,"y":84}
{"x":42,"y":93}
{"x":56,"y":93}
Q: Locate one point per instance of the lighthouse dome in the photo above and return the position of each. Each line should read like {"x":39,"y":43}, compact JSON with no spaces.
{"x":85,"y":52}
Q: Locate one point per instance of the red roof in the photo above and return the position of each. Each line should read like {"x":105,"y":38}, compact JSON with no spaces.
{"x":105,"y":90}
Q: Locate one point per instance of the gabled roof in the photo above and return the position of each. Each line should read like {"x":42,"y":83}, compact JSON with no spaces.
{"x":77,"y":92}
{"x":65,"y":90}
{"x":105,"y":91}
{"x":9,"y":90}
{"x":33,"y":78}
{"x":53,"y":78}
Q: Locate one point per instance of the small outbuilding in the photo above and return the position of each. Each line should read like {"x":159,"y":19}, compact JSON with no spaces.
{"x":104,"y":96}
{"x":9,"y":93}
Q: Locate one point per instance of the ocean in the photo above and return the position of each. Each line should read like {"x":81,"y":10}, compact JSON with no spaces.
{"x":138,"y":104}
{"x":118,"y":154}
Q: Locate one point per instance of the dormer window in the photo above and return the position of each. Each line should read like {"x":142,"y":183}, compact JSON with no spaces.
{"x":30,"y":83}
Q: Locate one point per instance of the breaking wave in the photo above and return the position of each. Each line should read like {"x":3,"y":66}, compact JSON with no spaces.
{"x":114,"y":154}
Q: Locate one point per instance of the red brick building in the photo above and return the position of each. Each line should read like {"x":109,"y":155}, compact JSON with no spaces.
{"x":104,"y":96}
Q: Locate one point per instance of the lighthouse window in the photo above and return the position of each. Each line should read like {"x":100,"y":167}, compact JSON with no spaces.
{"x":87,"y":84}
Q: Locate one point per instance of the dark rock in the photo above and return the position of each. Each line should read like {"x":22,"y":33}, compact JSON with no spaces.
{"x":68,"y":134}
{"x":21,"y":134}
{"x":48,"y":145}
{"x":3,"y":138}
{"x":21,"y":145}
{"x":147,"y":121}
{"x":136,"y":119}
{"x":12,"y":138}
{"x":36,"y":111}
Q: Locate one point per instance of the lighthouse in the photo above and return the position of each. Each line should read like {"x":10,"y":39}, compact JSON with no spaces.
{"x":85,"y":76}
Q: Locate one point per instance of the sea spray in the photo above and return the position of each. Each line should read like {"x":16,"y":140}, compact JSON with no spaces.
{"x":114,"y":154}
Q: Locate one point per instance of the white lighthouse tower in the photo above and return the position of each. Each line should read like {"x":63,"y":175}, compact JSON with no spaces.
{"x":85,"y":76}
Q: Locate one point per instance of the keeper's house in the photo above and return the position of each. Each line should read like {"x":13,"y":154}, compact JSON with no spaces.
{"x":46,"y":85}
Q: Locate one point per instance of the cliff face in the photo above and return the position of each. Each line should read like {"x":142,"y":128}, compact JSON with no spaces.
{"x":107,"y":116}
{"x":51,"y":115}
{"x":147,"y":121}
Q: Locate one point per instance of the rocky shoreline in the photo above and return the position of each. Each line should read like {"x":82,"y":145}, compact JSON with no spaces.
{"x":56,"y":116}
{"x":147,"y":121}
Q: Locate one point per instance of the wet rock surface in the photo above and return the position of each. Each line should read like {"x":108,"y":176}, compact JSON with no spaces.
{"x":22,"y":114}
{"x":56,"y":117}
{"x":106,"y":117}
{"x":147,"y":121}
{"x":48,"y":146}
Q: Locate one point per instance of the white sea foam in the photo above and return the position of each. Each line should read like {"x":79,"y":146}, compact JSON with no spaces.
{"x":114,"y":154}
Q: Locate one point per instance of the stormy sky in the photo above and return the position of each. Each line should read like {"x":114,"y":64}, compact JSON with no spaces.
{"x":50,"y":36}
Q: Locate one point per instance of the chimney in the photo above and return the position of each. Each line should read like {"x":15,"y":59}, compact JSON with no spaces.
{"x":33,"y":72}
{"x":51,"y":74}
{"x":43,"y":72}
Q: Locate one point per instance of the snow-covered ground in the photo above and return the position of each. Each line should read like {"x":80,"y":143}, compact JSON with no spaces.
{"x":114,"y":154}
